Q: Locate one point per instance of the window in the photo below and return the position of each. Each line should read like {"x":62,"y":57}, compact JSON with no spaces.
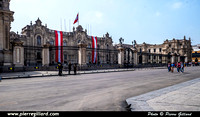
{"x":39,"y":40}
{"x":154,"y":57}
{"x":160,"y":49}
{"x":154,"y":50}
{"x":149,"y":57}
{"x":107,"y":57}
{"x":89,"y":58}
{"x":173,"y":50}
{"x":64,"y":43}
{"x":140,"y":49}
{"x":53,"y":56}
{"x":51,"y":42}
{"x":160,"y":57}
{"x":39,"y":55}
{"x":149,"y":50}
{"x":65,"y":56}
{"x":89,"y":45}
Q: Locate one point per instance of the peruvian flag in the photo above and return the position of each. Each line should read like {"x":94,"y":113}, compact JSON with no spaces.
{"x":94,"y":50}
{"x":76,"y":20}
{"x":59,"y":46}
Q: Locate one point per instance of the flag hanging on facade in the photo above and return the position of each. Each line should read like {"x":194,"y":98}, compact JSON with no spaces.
{"x":59,"y":46}
{"x":77,"y":18}
{"x":94,"y":50}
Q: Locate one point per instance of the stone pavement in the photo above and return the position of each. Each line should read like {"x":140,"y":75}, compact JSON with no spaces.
{"x":180,"y":97}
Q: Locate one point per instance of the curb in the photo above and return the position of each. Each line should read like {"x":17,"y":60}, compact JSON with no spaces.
{"x":51,"y":75}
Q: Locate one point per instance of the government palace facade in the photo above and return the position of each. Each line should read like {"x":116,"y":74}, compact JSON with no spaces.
{"x":35,"y":46}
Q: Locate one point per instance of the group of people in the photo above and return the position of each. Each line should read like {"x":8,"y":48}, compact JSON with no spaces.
{"x":60,"y":67}
{"x":179,"y":65}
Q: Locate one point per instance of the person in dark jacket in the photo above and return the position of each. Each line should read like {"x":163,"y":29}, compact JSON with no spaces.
{"x":69,"y":67}
{"x":75,"y":69}
{"x":169,"y":67}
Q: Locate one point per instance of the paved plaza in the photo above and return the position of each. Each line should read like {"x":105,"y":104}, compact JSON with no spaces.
{"x":97,"y":91}
{"x":181,"y":97}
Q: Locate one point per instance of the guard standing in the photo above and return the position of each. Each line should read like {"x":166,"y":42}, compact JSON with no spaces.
{"x":75,"y":68}
{"x":69,"y":67}
{"x":60,"y":67}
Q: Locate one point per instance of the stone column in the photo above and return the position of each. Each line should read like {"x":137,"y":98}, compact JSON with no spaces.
{"x":82,"y":54}
{"x":143,"y":59}
{"x":135,"y":56}
{"x":45,"y":55}
{"x":173,"y":58}
{"x":121,"y":56}
{"x":179,"y":58}
{"x":18,"y":53}
{"x":164,"y":59}
{"x":186,"y":58}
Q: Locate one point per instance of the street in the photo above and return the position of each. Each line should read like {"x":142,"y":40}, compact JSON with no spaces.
{"x":87,"y":92}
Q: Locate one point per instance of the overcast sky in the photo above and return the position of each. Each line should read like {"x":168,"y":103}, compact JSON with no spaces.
{"x":150,"y":21}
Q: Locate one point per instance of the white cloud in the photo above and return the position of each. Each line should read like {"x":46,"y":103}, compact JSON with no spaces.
{"x":177,"y":5}
{"x":158,"y":13}
{"x":99,"y":14}
{"x":94,"y":17}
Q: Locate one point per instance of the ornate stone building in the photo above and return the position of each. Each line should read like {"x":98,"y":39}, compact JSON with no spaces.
{"x":35,"y":46}
{"x":6,"y":17}
{"x":175,"y":50}
{"x":36,"y":36}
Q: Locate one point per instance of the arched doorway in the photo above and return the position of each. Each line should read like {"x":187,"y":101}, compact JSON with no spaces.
{"x":140,"y":59}
{"x":169,"y":57}
{"x":182,"y":59}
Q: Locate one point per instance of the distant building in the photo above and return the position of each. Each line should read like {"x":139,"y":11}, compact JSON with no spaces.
{"x":196,"y":54}
{"x":175,"y":50}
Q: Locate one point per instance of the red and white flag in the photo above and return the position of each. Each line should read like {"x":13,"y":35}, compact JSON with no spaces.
{"x":59,"y":46}
{"x":94,"y":50}
{"x":76,"y":20}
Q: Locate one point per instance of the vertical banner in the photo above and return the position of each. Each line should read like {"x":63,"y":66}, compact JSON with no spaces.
{"x":59,"y":46}
{"x":94,"y":50}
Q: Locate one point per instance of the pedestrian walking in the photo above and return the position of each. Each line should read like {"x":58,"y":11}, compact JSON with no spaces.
{"x":182,"y":67}
{"x":178,"y":66}
{"x":172,"y":67}
{"x":69,"y":67}
{"x":169,"y":67}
